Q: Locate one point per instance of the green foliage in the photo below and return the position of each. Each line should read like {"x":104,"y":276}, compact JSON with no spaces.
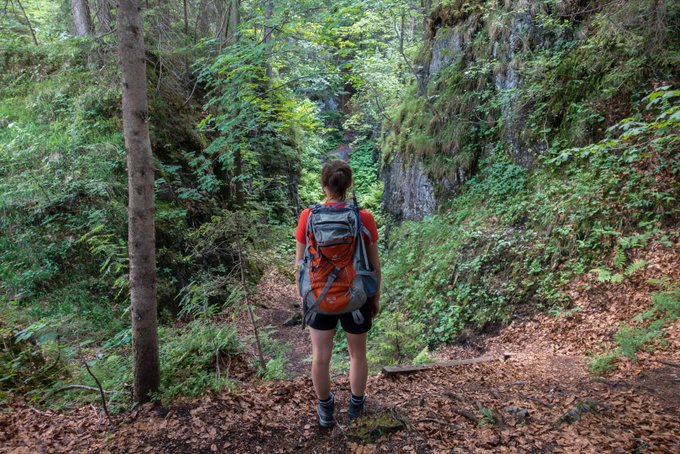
{"x":603,"y":363}
{"x":638,"y":136}
{"x":631,"y":339}
{"x":369,"y":189}
{"x":259,"y":137}
{"x":649,"y":327}
{"x":604,"y":275}
{"x":214,"y":256}
{"x":511,"y":237}
{"x":190,"y":358}
{"x":27,"y":359}
{"x":395,"y":339}
{"x":668,"y":302}
{"x":275,"y":353}
{"x":488,"y":417}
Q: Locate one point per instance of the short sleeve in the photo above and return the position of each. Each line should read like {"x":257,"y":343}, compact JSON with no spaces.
{"x":368,"y":221}
{"x":301,"y":232}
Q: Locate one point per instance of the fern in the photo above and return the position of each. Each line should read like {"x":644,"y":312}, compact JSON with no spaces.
{"x":619,"y":259}
{"x":635,"y":267}
{"x":604,"y":275}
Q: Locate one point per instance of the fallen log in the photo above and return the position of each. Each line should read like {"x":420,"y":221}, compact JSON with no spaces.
{"x":395,"y":370}
{"x":465,"y":414}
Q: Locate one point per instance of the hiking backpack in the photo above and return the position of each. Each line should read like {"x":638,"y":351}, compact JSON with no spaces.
{"x":335,"y":276}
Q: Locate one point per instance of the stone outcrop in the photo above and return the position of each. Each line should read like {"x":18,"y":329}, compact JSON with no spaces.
{"x":409,"y":188}
{"x":408,"y":191}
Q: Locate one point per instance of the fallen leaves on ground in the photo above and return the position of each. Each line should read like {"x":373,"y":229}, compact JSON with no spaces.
{"x":541,"y":399}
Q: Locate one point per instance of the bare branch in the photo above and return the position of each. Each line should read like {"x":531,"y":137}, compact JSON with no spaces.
{"x":28,"y":22}
{"x":101,"y":392}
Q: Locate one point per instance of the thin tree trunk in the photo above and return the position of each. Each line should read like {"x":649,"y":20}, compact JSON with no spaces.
{"x":141,"y":233}
{"x":186,"y":38}
{"x":427,"y":8}
{"x":401,"y":33}
{"x":103,"y":13}
{"x":242,"y":264}
{"x":234,"y":21}
{"x":186,"y":18}
{"x":232,"y":38}
{"x":268,"y":30}
{"x":239,"y":192}
{"x":81,"y":17}
{"x":222,"y":24}
{"x":28,"y":22}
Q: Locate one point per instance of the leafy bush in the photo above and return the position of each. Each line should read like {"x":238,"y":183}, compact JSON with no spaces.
{"x":603,"y":363}
{"x":395,"y":339}
{"x":368,"y":187}
{"x":190,"y":358}
{"x":27,"y":359}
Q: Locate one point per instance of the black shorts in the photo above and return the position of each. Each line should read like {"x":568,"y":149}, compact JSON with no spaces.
{"x":325,"y":322}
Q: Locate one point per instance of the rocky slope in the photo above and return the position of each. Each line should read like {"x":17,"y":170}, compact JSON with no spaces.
{"x":516,"y":77}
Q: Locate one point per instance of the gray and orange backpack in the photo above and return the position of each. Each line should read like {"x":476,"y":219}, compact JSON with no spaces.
{"x":335,"y":276}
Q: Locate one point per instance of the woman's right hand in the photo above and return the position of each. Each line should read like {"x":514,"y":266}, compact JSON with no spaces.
{"x":375,"y":307}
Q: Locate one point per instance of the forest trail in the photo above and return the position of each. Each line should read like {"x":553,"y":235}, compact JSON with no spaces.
{"x":540,"y":399}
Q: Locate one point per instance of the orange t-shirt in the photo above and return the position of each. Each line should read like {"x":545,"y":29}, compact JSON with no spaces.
{"x":366,"y":217}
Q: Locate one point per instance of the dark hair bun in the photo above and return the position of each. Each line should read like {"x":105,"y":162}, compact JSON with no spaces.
{"x":337,"y":177}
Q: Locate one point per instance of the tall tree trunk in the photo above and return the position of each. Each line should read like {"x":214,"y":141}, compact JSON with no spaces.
{"x":232,"y":38}
{"x":103,"y":13}
{"x":268,"y":30}
{"x":186,"y":17}
{"x":141,"y":233}
{"x":234,"y":21}
{"x":81,"y":17}
{"x":203,"y":20}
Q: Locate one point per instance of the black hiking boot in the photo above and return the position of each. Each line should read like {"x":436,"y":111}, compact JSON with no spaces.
{"x":325,"y":411}
{"x":356,"y":407}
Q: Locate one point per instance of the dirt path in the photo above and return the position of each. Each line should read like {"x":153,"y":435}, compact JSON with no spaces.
{"x":278,"y":318}
{"x":530,"y":403}
{"x":541,"y":399}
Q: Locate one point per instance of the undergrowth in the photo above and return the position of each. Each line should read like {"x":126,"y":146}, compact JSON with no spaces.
{"x":512,"y":238}
{"x":645,"y":330}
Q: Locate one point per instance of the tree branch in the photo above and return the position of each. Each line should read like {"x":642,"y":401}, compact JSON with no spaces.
{"x":28,"y":22}
{"x":101,"y":392}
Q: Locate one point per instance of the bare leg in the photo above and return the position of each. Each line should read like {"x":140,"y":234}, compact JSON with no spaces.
{"x":322,"y":349}
{"x":358,"y":366}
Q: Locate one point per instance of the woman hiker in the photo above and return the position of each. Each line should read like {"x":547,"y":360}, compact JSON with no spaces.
{"x":330,"y":277}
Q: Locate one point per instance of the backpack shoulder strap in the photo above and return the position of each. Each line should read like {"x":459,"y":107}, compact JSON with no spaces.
{"x":361,"y":244}
{"x":312,"y":209}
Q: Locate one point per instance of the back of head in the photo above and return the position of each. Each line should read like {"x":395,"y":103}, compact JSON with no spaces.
{"x":336,"y":175}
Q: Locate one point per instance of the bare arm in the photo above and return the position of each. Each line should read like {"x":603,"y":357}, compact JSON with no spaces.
{"x":374,"y":260}
{"x":299,"y":253}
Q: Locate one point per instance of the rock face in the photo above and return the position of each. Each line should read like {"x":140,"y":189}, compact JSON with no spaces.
{"x":409,"y":186}
{"x":522,"y":33}
{"x":446,"y":48}
{"x":408,"y":191}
